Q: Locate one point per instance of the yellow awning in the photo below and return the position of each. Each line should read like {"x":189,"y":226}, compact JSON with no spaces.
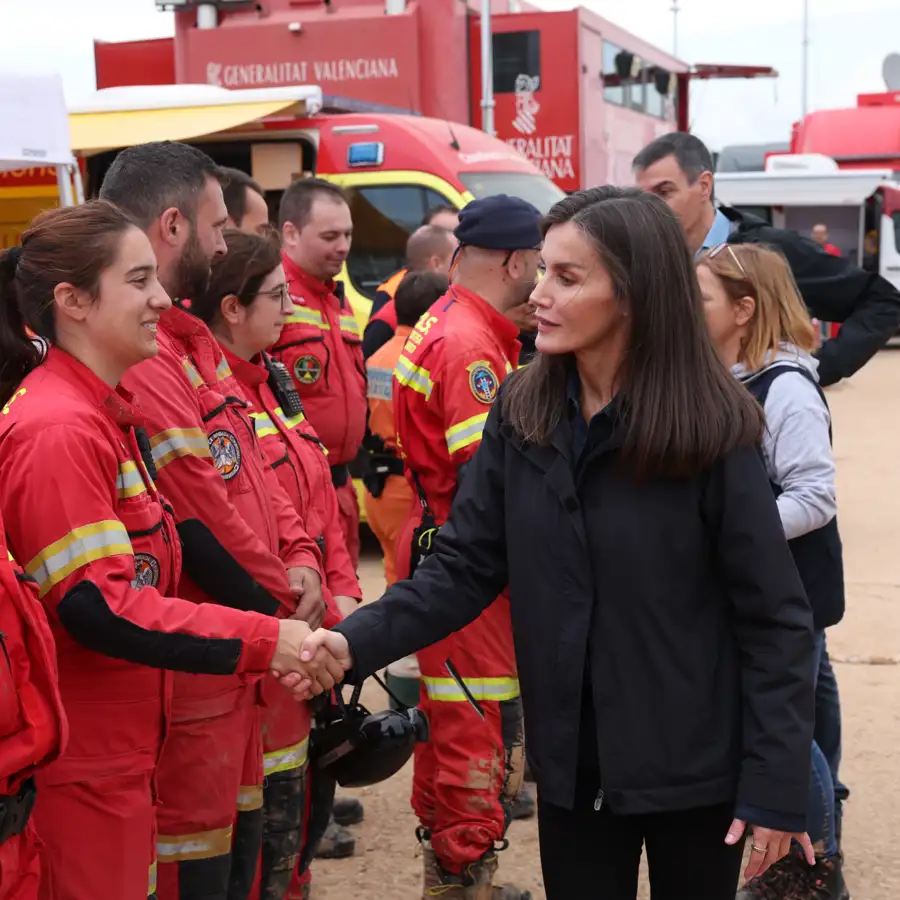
{"x":107,"y":130}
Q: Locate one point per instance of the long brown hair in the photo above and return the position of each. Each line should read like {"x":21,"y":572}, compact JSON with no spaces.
{"x":250,"y":259}
{"x":780,"y":315}
{"x":682,"y":409}
{"x":72,"y":245}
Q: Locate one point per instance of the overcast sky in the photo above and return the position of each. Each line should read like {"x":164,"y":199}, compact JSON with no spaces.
{"x":846,"y":49}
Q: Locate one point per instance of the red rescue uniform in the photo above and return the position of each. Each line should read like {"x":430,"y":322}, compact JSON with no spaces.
{"x":227,"y":501}
{"x":444,"y":384}
{"x":32,"y":723}
{"x":388,"y":512}
{"x":86,"y":519}
{"x":322,"y":349}
{"x":294,"y":452}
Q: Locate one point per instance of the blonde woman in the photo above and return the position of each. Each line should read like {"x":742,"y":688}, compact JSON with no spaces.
{"x":762,"y":331}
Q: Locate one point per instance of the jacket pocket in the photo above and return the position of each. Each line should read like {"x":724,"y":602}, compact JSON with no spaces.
{"x":308,"y":359}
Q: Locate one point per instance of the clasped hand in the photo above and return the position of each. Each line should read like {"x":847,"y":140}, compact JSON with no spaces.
{"x":307,"y":662}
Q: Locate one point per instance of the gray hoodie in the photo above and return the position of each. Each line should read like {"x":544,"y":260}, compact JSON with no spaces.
{"x":796,"y":445}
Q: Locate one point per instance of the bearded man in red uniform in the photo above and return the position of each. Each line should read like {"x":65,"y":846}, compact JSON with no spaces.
{"x":447,"y":377}
{"x":321,"y":344}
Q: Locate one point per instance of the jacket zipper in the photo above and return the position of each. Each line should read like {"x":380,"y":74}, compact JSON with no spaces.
{"x":598,"y":800}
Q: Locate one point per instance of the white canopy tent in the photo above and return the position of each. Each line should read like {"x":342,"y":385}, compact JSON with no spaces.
{"x":35,"y":129}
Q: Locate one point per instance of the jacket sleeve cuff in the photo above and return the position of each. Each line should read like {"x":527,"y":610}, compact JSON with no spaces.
{"x":304,"y":559}
{"x":786,"y":799}
{"x":258,"y":652}
{"x":357,"y":674}
{"x":769,"y":818}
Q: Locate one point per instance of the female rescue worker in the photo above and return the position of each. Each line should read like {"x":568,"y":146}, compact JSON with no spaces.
{"x":32,"y":723}
{"x":663,"y":639}
{"x":246,"y":306}
{"x":82,"y":512}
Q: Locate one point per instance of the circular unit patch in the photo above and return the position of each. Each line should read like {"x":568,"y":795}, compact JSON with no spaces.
{"x":307,"y":370}
{"x":146,"y":571}
{"x":226,"y":453}
{"x":483,"y":382}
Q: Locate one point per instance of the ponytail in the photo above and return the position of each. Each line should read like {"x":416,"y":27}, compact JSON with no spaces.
{"x":18,"y":353}
{"x":72,"y":245}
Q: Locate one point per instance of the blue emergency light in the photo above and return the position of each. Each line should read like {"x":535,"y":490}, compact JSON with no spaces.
{"x":368,"y":153}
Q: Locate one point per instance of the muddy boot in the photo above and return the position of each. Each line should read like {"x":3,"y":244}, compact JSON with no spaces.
{"x":431,"y":873}
{"x":522,"y":805}
{"x":347,"y":811}
{"x":475,"y":883}
{"x":336,"y":843}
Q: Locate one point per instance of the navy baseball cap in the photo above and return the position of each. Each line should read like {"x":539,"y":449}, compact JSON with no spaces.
{"x":499,"y":222}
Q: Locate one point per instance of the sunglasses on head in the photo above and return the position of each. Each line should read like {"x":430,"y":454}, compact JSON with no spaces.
{"x":718,"y":249}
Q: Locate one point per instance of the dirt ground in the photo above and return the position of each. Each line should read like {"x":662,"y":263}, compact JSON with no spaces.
{"x":865,"y":648}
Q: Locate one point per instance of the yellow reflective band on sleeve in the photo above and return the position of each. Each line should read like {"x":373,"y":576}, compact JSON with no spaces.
{"x":223,"y":370}
{"x":263,"y":425}
{"x":466,"y":433}
{"x":175,"y":442}
{"x":130,"y":480}
{"x":192,"y":373}
{"x":414,"y":377}
{"x":303,"y":315}
{"x":349,"y":325}
{"x":10,"y":556}
{"x":509,"y":367}
{"x":447,"y":690}
{"x":202,"y":845}
{"x":78,"y":548}
{"x":151,"y":881}
{"x":290,"y":421}
{"x":294,"y":757}
{"x":249,"y":798}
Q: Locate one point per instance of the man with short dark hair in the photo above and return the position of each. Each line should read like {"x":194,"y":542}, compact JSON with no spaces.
{"x":679,"y":169}
{"x":321,"y":344}
{"x":243,"y":543}
{"x":429,"y":249}
{"x":245,"y":201}
{"x":820,"y":236}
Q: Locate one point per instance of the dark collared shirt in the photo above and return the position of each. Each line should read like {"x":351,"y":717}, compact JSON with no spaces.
{"x":587,"y":436}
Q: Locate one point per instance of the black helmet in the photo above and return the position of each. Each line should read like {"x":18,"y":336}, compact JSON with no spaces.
{"x":357,"y":748}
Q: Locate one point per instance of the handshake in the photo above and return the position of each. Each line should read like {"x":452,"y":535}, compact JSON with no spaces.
{"x":307,"y":662}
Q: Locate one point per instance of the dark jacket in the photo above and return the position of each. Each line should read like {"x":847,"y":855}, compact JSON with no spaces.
{"x":834,"y":290}
{"x":681,"y":598}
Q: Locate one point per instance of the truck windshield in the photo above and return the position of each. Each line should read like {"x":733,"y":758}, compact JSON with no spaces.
{"x":537,"y":190}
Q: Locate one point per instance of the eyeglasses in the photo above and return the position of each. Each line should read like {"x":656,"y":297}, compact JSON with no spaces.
{"x":718,"y":249}
{"x":277,"y":293}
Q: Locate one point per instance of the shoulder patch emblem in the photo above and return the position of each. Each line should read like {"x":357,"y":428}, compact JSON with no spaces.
{"x":483,"y":381}
{"x":307,"y":370}
{"x":226,"y":453}
{"x":146,"y":571}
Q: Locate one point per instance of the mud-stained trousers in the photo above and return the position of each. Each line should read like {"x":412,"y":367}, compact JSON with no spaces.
{"x":100,"y":834}
{"x":470,"y":766}
{"x":201,"y":772}
{"x":285,"y":743}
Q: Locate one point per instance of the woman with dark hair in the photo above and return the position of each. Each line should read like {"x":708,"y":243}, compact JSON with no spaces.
{"x":663,"y":638}
{"x":85,"y":519}
{"x":245,"y":306}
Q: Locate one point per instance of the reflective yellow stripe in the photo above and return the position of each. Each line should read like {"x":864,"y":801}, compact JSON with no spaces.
{"x":10,"y":556}
{"x":130,"y":481}
{"x":509,"y":367}
{"x":294,"y":757}
{"x":151,"y":883}
{"x":202,"y":845}
{"x":175,"y":442}
{"x":466,"y":433}
{"x":380,"y":383}
{"x":291,"y":421}
{"x":263,"y":424}
{"x":349,"y":325}
{"x":223,"y":370}
{"x":192,"y":373}
{"x":78,"y":548}
{"x":303,"y":315}
{"x":447,"y":690}
{"x":414,"y":377}
{"x":249,"y":798}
